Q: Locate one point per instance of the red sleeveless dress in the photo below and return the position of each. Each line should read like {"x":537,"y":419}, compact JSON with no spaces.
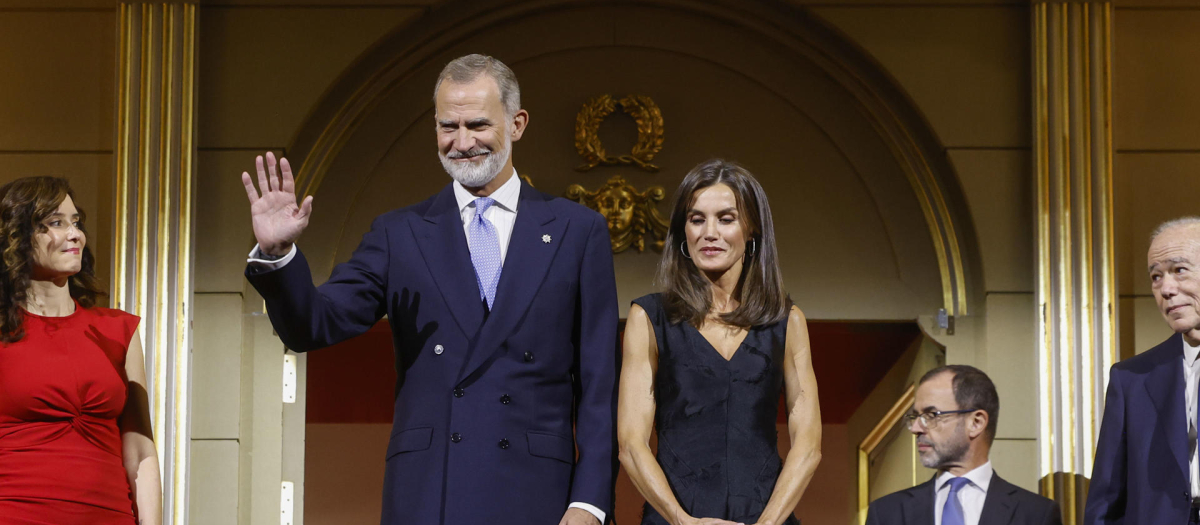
{"x":62,"y":388}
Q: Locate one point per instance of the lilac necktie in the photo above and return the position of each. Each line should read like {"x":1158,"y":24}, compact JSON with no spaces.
{"x":952,"y":511}
{"x":485,"y":251}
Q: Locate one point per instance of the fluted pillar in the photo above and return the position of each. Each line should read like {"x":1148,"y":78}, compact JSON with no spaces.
{"x":1072,"y":59}
{"x":152,"y":267}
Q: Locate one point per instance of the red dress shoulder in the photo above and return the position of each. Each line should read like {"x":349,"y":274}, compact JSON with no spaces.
{"x":62,"y":389}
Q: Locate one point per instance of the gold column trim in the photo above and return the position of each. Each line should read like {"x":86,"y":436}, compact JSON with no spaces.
{"x":1076,"y":318}
{"x":153,"y":271}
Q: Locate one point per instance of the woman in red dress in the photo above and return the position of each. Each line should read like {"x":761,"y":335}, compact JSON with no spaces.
{"x":76,"y":445}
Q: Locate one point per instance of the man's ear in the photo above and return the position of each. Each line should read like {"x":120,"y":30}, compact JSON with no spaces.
{"x":977,"y":424}
{"x":519,"y":121}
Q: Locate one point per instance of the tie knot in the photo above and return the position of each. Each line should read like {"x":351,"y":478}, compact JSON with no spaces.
{"x":957,"y":483}
{"x":482,"y":204}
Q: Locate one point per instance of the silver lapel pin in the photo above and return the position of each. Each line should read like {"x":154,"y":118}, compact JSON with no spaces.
{"x":546,"y":238}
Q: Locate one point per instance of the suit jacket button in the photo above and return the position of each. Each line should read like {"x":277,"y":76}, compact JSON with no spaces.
{"x":458,"y":392}
{"x":456,"y":437}
{"x":505,"y":399}
{"x":438,"y":349}
{"x":528,"y":357}
{"x":504,"y":443}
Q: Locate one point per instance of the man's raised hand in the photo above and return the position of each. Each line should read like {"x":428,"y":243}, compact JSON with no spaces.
{"x":277,"y":220}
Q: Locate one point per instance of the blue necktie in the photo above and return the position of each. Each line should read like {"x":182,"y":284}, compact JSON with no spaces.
{"x":952,"y":511}
{"x":485,"y":251}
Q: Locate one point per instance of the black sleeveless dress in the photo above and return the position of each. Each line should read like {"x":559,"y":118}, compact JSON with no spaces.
{"x":715,"y":419}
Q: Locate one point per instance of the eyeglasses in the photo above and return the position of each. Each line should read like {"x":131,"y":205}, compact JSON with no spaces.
{"x":930,"y":419}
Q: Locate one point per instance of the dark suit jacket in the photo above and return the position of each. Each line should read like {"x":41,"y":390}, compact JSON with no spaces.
{"x":1140,"y":475}
{"x":488,"y":412}
{"x":1005,"y":504}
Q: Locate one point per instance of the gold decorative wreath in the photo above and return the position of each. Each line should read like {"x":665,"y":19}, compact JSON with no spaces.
{"x":631,"y":215}
{"x":649,"y":125}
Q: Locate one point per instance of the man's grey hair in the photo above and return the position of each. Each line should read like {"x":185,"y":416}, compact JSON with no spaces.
{"x":465,"y":69}
{"x":1174,"y":223}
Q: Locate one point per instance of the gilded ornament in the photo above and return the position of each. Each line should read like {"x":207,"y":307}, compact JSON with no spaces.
{"x":645,"y":114}
{"x":631,"y":215}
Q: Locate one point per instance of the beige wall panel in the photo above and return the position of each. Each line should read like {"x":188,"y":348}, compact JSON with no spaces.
{"x":1154,"y":88}
{"x":261,"y":69}
{"x":1149,"y":188}
{"x":1149,"y":327}
{"x":216,"y":365}
{"x":998,"y":187}
{"x":1015,"y":460}
{"x":1011,"y":358}
{"x":213,"y":482}
{"x":967,"y":68}
{"x":90,"y":176}
{"x":343,"y":488}
{"x":57,"y":93}
{"x":224,"y":234}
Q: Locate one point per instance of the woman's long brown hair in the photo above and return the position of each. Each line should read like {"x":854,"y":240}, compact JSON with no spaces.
{"x":687,"y":293}
{"x":24,"y":204}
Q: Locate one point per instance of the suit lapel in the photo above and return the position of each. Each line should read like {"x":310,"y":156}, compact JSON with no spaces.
{"x":1165,"y":385}
{"x":443,"y":245}
{"x":998,"y":506}
{"x":918,"y":508}
{"x":525,"y":267}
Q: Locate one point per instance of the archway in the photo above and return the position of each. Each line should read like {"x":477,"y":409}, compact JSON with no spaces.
{"x":872,"y":224}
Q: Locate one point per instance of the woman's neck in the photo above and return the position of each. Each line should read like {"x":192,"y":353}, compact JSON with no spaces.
{"x":725,"y":289}
{"x":49,"y":298}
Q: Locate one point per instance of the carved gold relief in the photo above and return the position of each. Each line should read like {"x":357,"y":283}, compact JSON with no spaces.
{"x":649,"y":125}
{"x":631,"y":215}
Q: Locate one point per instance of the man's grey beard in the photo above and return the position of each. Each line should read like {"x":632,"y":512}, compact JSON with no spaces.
{"x":475,"y":175}
{"x":949,"y":453}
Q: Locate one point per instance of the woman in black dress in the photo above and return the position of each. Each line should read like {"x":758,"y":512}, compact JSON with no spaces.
{"x":704,"y":362}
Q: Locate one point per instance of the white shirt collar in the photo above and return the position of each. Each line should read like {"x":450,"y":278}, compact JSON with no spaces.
{"x":980,"y":477}
{"x":1189,"y":352}
{"x":506,"y":195}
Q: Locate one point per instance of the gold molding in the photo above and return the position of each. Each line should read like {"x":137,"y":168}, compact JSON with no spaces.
{"x":645,"y":114}
{"x":631,"y":215}
{"x":872,"y":441}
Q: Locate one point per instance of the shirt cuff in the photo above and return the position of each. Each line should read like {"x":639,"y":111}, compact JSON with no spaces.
{"x":599,"y":514}
{"x":257,"y":258}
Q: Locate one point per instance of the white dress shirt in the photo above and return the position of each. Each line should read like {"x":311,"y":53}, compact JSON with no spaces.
{"x":502,"y":215}
{"x":1191,"y":373}
{"x":971,"y":496}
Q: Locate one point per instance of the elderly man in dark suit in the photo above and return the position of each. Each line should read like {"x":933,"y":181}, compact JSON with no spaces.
{"x":1146,"y":468}
{"x":954,"y":417}
{"x":502,"y":302}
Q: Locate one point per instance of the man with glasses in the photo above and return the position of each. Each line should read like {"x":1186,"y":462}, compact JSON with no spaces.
{"x":954,"y":417}
{"x":1146,"y":468}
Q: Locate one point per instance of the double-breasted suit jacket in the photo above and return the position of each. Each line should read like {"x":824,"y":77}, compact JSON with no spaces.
{"x":500,"y":418}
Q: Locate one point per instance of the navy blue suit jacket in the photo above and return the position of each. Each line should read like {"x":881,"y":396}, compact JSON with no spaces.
{"x":1141,"y":469}
{"x":1005,"y":504}
{"x":489,"y":410}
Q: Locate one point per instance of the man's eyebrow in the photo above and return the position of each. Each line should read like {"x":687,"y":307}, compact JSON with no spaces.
{"x":445,"y":123}
{"x":1173,"y":260}
{"x":479,"y":121}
